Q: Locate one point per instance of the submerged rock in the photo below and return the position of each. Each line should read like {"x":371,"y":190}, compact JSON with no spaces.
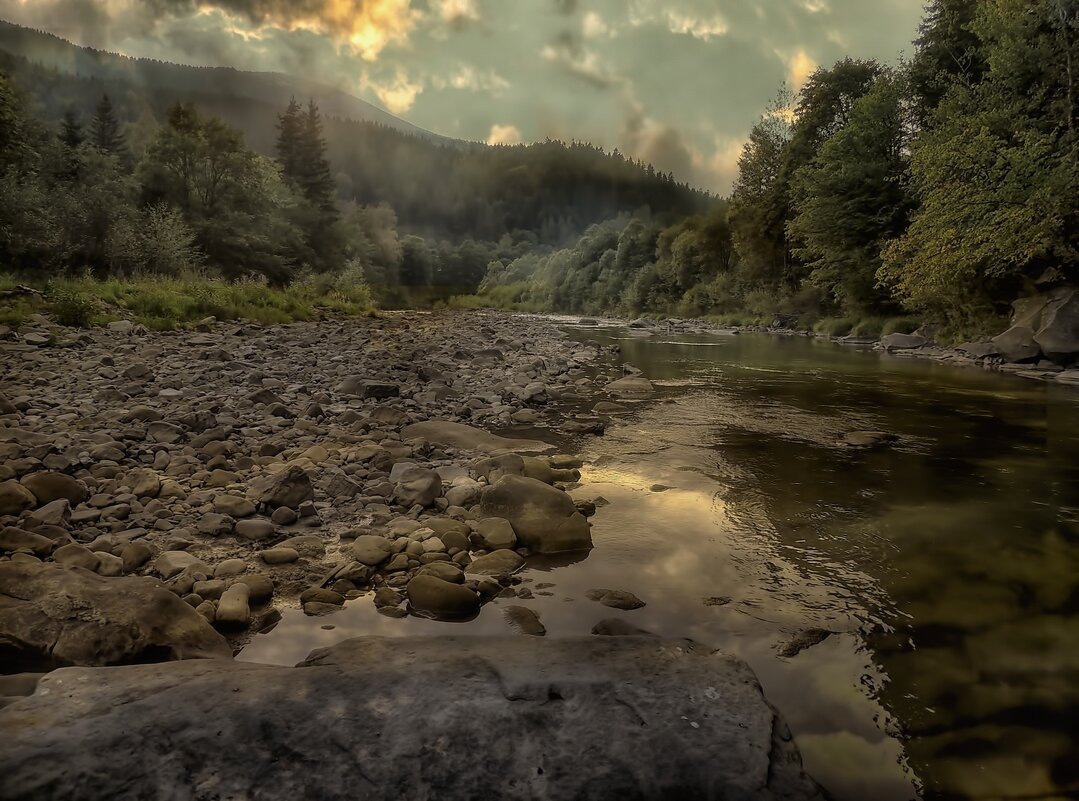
{"x":593,"y":717}
{"x":442,"y":599}
{"x":616,"y":599}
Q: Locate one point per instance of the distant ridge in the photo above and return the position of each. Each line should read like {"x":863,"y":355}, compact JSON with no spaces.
{"x":54,"y":53}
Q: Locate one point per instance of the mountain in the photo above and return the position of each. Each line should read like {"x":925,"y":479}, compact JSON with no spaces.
{"x":52,"y":53}
{"x":440,"y":188}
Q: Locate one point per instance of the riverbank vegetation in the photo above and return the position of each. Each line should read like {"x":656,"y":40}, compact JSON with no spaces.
{"x":937,"y":190}
{"x":876,"y":198}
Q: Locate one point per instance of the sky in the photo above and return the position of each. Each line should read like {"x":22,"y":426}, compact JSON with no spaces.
{"x":678,"y":83}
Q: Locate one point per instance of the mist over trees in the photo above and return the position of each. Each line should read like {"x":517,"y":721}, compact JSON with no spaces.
{"x":875,"y":198}
{"x":942,"y":188}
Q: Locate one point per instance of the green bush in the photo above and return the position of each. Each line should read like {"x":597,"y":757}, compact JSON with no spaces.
{"x":834,"y":326}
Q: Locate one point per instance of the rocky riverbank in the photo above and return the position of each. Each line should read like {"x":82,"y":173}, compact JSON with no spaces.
{"x":1042,"y":342}
{"x":163,"y":496}
{"x":243,"y":468}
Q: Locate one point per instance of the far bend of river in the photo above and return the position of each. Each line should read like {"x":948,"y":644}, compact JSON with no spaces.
{"x":947,"y":565}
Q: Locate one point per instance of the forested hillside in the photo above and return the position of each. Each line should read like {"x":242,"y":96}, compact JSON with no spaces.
{"x":943,"y":188}
{"x":439,"y":188}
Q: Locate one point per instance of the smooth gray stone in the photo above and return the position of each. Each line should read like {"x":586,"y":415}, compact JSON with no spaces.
{"x":507,"y":718}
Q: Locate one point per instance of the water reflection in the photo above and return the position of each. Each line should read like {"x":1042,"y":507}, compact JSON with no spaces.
{"x":945,"y":566}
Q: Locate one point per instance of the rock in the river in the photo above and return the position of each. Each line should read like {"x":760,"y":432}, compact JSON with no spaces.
{"x":583,"y":718}
{"x":630,"y":385}
{"x":494,"y":533}
{"x":868,"y":439}
{"x":616,"y":599}
{"x":290,"y":487}
{"x":503,"y":562}
{"x":417,"y":485}
{"x":52,"y":616}
{"x":543,"y":517}
{"x":902,"y":341}
{"x":525,"y":620}
{"x":48,"y":487}
{"x":1058,"y":331}
{"x":1017,"y":344}
{"x":469,"y":438}
{"x":444,"y":600}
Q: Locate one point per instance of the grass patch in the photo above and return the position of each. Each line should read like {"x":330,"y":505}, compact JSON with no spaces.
{"x":169,"y":303}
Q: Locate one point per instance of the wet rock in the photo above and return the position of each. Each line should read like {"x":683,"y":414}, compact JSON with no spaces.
{"x":902,"y":341}
{"x":619,"y":627}
{"x":630,"y":385}
{"x":524,"y":620}
{"x":51,"y":616}
{"x":494,"y":533}
{"x":1058,"y":330}
{"x":629,"y":706}
{"x":443,"y":600}
{"x":1017,"y":344}
{"x":616,"y":599}
{"x":868,"y":439}
{"x":497,"y":563}
{"x":803,"y":640}
{"x":543,"y":517}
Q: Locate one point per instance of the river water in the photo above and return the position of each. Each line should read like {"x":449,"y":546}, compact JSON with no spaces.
{"x":944,"y":568}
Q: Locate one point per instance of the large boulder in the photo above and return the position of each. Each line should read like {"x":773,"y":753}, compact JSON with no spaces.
{"x":1058,"y":329}
{"x":585,"y":718}
{"x":49,"y":486}
{"x":52,"y":616}
{"x":469,"y":438}
{"x":1017,"y":344}
{"x":543,"y":517}
{"x":289,"y":487}
{"x":431,"y":596}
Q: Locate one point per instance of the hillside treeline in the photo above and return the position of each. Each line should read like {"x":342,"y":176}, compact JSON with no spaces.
{"x":942,"y":188}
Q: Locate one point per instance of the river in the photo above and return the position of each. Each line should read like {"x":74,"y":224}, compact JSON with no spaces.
{"x":944,"y":569}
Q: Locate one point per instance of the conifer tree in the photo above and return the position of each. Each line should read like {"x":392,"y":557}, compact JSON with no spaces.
{"x":289,"y":128}
{"x":315,"y":178}
{"x":71,"y":134}
{"x":105,"y":129}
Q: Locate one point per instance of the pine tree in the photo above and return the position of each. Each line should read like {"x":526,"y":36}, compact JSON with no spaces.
{"x":289,"y":127}
{"x":71,"y":134}
{"x":105,"y":129}
{"x":315,"y":178}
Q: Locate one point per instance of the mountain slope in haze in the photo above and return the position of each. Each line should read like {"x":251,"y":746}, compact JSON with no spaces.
{"x":439,"y":188}
{"x":56,"y":54}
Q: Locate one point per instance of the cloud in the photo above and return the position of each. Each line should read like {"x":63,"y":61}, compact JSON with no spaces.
{"x":705,"y":28}
{"x":799,"y":67}
{"x":398,"y":93}
{"x":593,"y":26}
{"x":568,"y":53}
{"x":468,"y":77}
{"x":504,"y":135}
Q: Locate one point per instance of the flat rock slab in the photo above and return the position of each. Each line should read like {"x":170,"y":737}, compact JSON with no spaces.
{"x":469,"y":438}
{"x":383,"y":718}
